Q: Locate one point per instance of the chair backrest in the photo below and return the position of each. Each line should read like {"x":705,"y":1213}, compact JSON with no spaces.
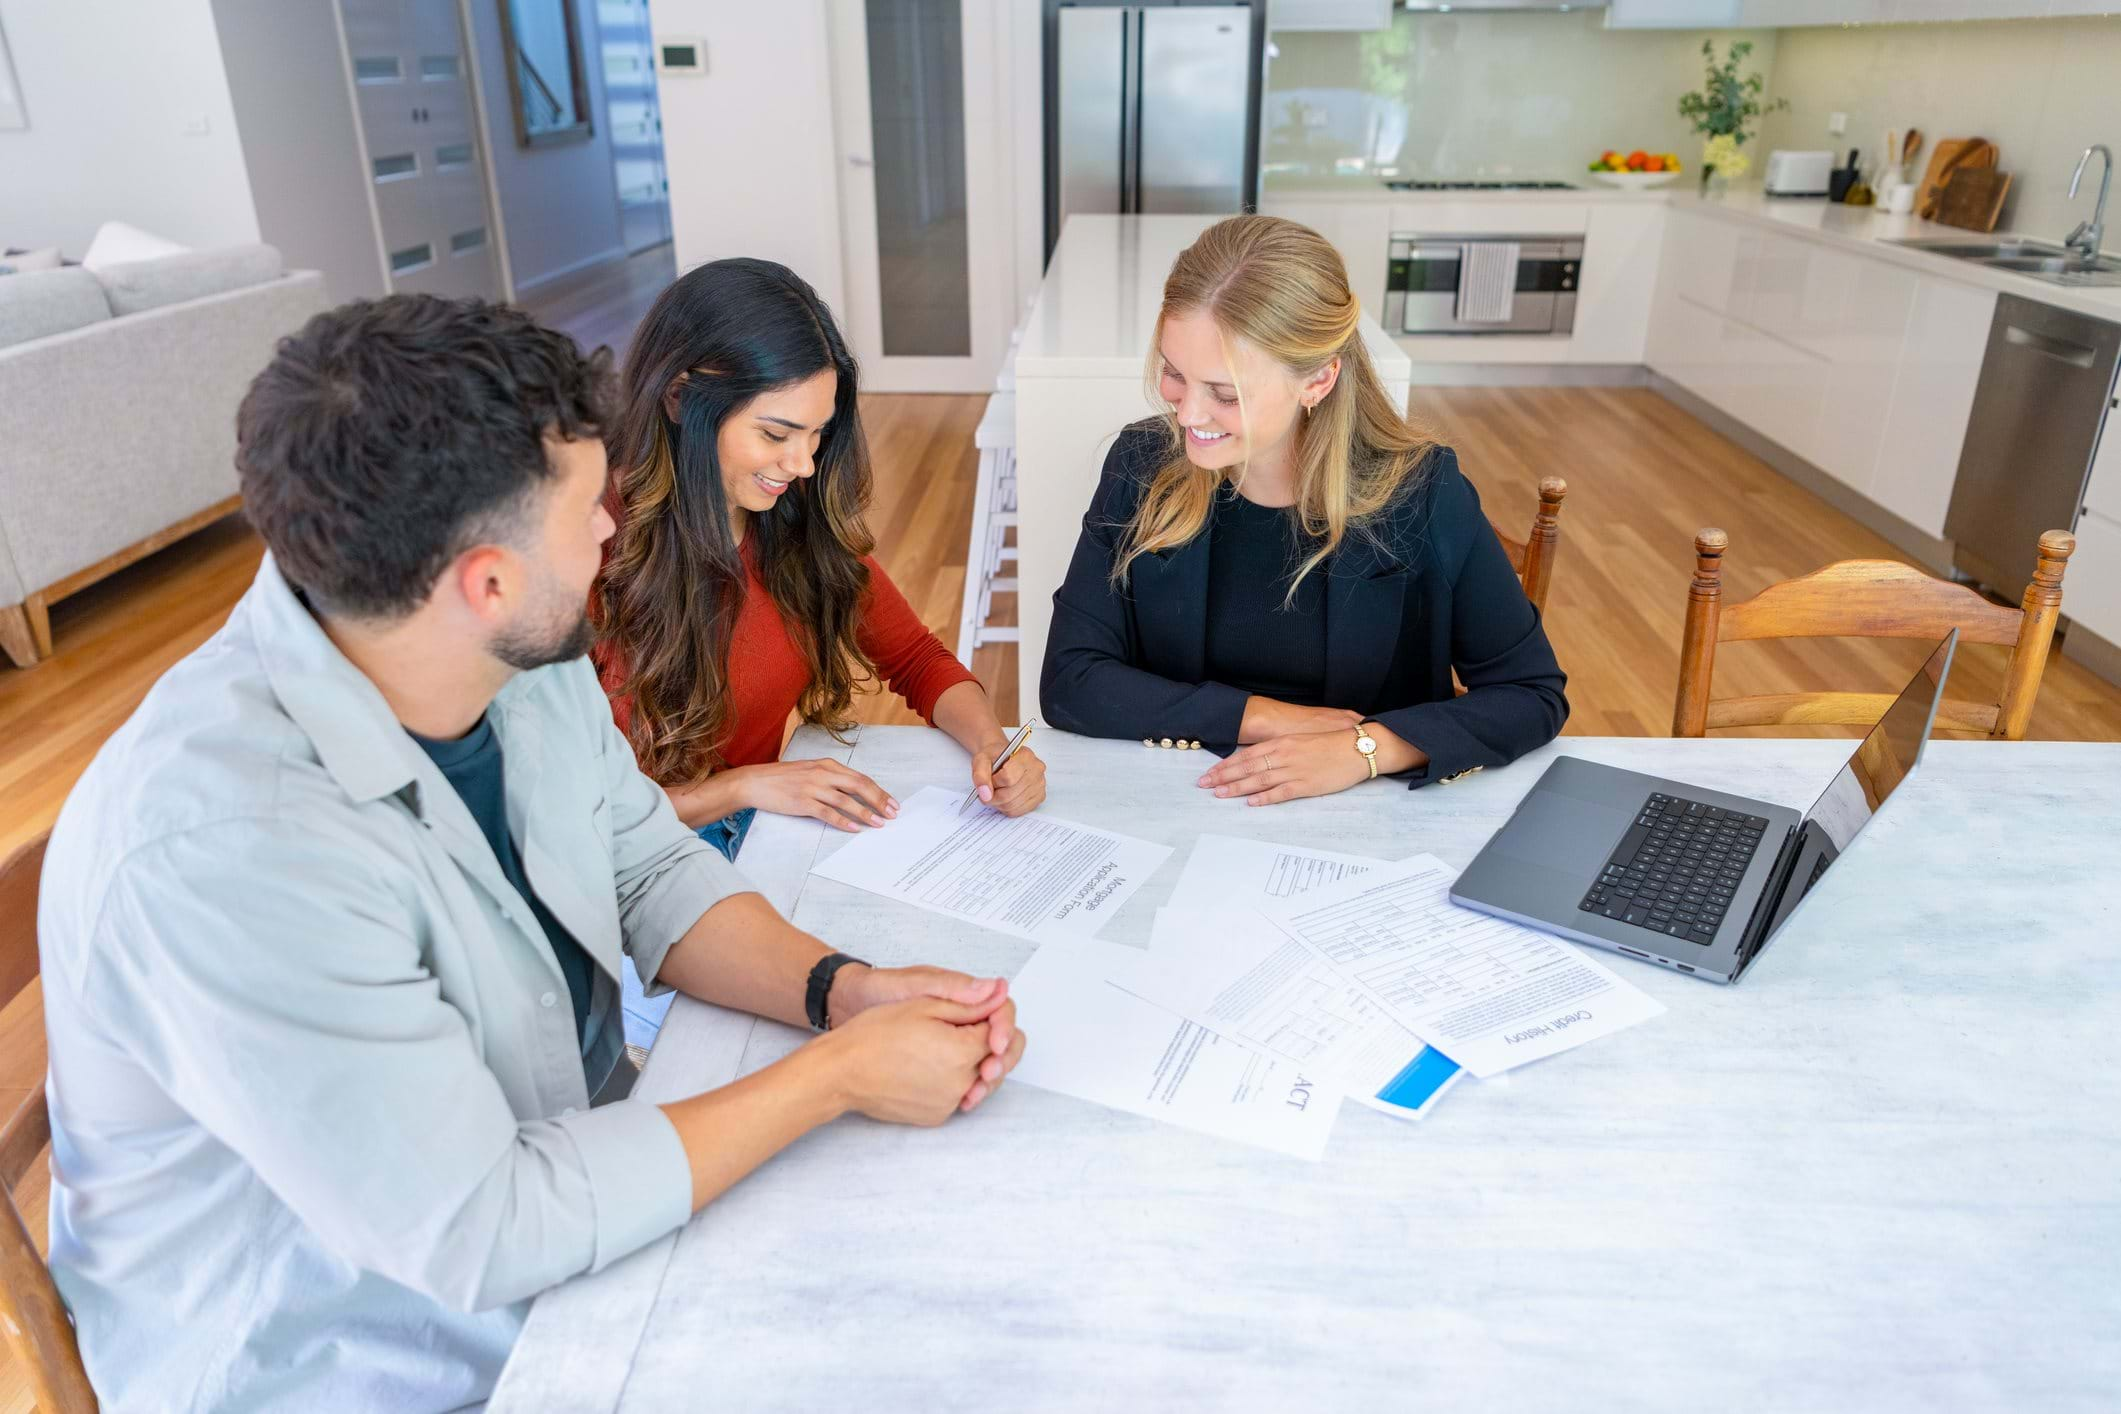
{"x":38,"y":1330}
{"x":1533,"y":556}
{"x":1864,"y":599}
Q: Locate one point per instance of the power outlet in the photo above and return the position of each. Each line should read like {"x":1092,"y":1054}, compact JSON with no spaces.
{"x":1836,"y":124}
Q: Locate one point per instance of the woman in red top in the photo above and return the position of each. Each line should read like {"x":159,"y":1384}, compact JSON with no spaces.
{"x":740,"y":586}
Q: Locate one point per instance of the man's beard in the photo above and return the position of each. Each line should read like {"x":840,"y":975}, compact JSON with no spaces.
{"x":524,"y":650}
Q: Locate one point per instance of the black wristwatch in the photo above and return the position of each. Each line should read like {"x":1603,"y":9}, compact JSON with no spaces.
{"x":819,"y":992}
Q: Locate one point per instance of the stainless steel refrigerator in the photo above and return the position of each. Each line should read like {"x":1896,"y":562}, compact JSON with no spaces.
{"x":1151,"y":107}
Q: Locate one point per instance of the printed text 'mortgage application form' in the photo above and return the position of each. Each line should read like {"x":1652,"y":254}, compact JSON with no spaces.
{"x":1488,"y":993}
{"x":1033,"y":877}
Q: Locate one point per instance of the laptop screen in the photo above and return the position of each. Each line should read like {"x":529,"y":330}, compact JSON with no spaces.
{"x":1881,"y":762}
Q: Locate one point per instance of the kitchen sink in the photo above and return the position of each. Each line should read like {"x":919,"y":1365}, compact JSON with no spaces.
{"x":2056,"y":264}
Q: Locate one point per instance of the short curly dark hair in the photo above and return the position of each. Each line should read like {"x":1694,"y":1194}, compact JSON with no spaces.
{"x":389,"y":436}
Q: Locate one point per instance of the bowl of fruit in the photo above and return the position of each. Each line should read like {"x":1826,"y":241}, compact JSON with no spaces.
{"x":1636,"y":169}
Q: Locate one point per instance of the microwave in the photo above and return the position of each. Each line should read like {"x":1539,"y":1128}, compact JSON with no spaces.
{"x":1422,"y":276}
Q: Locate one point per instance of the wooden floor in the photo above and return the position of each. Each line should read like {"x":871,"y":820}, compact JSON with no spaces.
{"x":1643,"y":476}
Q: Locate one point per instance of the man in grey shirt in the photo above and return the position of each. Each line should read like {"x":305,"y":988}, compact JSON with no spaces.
{"x":331,"y":929}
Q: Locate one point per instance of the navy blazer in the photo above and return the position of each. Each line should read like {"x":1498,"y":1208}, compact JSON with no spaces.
{"x":1424,"y":588}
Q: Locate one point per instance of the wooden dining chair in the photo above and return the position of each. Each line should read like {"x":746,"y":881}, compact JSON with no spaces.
{"x":1864,"y":599}
{"x":1533,"y":557}
{"x":39,"y":1333}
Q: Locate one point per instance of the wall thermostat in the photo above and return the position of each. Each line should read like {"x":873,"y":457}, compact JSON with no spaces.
{"x":681,"y":56}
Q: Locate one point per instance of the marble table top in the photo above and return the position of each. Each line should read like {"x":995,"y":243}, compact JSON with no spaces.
{"x":1883,"y":1172}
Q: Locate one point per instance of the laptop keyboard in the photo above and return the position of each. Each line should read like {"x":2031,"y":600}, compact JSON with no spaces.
{"x":1676,"y":868}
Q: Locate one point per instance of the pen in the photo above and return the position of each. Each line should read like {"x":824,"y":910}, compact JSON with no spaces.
{"x":1008,"y":751}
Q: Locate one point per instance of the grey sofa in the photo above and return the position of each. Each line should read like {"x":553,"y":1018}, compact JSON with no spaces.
{"x":118,"y":395}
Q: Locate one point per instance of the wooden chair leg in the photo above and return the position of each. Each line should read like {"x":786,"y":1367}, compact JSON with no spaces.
{"x":18,"y":639}
{"x":2043,"y":605}
{"x":1697,"y":648}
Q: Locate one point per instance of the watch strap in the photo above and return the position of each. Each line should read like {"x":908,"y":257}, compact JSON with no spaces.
{"x":1369,"y":758}
{"x":819,"y":991}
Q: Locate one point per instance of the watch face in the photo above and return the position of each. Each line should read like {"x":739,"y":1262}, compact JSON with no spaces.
{"x":1366,"y":744}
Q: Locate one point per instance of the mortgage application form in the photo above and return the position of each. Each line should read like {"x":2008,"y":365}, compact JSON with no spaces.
{"x":1034,"y":877}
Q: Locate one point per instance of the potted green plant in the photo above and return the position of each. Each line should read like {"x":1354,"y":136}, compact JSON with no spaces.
{"x":1725,"y":108}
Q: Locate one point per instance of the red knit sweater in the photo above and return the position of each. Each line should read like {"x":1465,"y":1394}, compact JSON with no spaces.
{"x":767,"y":673}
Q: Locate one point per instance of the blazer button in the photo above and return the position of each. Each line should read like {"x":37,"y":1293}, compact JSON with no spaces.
{"x":1166,"y":742}
{"x":548,"y":999}
{"x":1148,"y":741}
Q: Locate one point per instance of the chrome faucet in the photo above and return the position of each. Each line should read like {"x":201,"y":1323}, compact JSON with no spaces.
{"x":2088,"y":234}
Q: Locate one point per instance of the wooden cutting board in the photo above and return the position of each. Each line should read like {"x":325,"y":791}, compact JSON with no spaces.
{"x":1947,"y":157}
{"x":1973,"y":198}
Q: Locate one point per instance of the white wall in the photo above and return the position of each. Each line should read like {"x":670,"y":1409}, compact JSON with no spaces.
{"x":287,"y":79}
{"x":559,"y":205}
{"x":2041,"y":90}
{"x":749,"y":144}
{"x":129,"y":119}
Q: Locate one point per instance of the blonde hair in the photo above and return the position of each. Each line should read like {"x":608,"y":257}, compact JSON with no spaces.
{"x":1280,"y":287}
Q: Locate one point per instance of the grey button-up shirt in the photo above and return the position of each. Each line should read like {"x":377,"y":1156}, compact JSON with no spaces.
{"x":320,"y":1122}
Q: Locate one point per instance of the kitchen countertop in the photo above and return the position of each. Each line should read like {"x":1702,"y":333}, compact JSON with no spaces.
{"x":1369,"y":187}
{"x":1858,"y":228}
{"x":1097,"y":306}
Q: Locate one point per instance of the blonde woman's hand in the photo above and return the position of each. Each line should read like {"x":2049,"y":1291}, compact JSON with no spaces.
{"x":1266,"y":719}
{"x":1289,"y":768}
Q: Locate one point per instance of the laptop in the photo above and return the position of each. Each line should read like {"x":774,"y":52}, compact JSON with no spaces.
{"x":1679,"y":875}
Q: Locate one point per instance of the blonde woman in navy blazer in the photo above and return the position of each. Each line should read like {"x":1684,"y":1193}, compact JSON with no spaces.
{"x":1280,"y":569}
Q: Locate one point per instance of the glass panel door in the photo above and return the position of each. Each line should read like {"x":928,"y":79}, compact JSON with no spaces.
{"x":925,"y":241}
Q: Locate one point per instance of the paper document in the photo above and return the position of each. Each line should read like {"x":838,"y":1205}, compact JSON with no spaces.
{"x":1234,"y":971}
{"x":1488,"y":993}
{"x":1035,"y":877}
{"x":1095,"y":1041}
{"x":1227,"y":872}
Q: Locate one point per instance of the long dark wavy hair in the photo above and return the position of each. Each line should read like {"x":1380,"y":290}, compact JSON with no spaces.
{"x":722,"y":334}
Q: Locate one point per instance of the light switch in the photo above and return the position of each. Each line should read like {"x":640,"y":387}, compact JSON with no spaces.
{"x":1837,"y":124}
{"x":197,"y":125}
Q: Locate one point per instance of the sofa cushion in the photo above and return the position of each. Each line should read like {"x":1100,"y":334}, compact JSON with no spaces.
{"x":41,"y":302}
{"x":116,"y":243}
{"x":149,"y":284}
{"x":20,"y":262}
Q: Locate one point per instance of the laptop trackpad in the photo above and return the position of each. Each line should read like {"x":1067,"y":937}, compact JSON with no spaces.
{"x":1566,"y":833}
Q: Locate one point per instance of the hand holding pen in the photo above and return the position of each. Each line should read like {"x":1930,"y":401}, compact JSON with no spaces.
{"x":1014,"y":783}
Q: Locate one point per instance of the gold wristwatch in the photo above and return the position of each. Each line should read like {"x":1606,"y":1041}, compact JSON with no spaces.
{"x":1367,"y":745}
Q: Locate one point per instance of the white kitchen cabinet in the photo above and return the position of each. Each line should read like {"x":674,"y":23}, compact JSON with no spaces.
{"x":1933,"y":396}
{"x":1671,"y":14}
{"x":2091,"y":586}
{"x":1329,"y":14}
{"x":1778,"y":13}
{"x":2103,"y":492}
{"x":1853,"y":312}
{"x":1701,"y":260}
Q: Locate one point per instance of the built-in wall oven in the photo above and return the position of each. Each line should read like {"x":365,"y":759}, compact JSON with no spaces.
{"x":1482,"y":284}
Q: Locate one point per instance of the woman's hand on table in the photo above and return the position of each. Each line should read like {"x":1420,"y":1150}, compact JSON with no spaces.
{"x":857,"y":988}
{"x":1018,"y":788}
{"x":1306,"y":764}
{"x":817,"y":789}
